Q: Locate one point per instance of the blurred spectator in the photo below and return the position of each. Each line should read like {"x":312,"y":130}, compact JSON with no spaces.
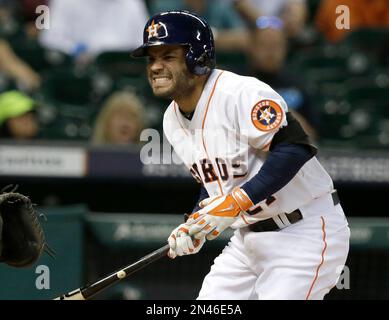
{"x":383,"y":53}
{"x":8,"y":23}
{"x":120,"y":121}
{"x":17,"y":116}
{"x":292,"y":12}
{"x":219,"y":14}
{"x":19,"y":15}
{"x":228,"y":27}
{"x":363,"y":13}
{"x":29,"y":15}
{"x":15,"y":68}
{"x":266,"y":54}
{"x":86,"y":28}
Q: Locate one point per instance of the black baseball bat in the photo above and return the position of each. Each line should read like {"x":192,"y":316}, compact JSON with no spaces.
{"x":91,"y":290}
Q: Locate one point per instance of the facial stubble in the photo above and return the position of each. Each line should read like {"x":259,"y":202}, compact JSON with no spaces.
{"x":185,"y":83}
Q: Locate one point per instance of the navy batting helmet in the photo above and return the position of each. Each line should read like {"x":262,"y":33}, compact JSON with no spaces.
{"x":181,"y":28}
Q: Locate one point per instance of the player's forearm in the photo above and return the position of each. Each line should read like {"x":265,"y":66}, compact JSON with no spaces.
{"x":282,"y":164}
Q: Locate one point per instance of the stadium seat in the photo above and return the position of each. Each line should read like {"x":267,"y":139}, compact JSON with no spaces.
{"x":358,"y":115}
{"x":6,"y":83}
{"x":66,"y":86}
{"x":374,"y":42}
{"x":69,"y":122}
{"x":234,"y":61}
{"x":341,"y":58}
{"x":327,"y":56}
{"x":366,"y":38}
{"x":11,"y":28}
{"x":359,"y":90}
{"x":312,"y":6}
{"x":327,"y":82}
{"x":137,"y":84}
{"x":328,"y":75}
{"x":39,"y":58}
{"x":120,"y":63}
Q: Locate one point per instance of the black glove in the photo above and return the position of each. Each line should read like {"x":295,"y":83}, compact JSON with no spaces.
{"x":22,"y":240}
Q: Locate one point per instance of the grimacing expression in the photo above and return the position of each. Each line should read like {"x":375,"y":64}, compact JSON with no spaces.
{"x":167,"y":72}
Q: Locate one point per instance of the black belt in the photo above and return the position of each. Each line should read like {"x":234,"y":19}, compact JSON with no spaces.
{"x":293,"y":217}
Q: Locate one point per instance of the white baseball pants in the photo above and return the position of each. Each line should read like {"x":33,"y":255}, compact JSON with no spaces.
{"x":302,"y":261}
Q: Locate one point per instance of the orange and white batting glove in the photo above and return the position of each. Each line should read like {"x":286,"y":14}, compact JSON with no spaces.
{"x":182,"y":244}
{"x":218,"y":214}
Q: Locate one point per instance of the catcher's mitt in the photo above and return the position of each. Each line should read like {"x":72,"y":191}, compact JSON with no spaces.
{"x":22,"y":239}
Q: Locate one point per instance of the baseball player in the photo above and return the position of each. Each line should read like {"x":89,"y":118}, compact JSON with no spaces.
{"x":257,"y":168}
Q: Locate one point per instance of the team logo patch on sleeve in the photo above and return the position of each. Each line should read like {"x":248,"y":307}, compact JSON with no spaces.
{"x":266,"y":115}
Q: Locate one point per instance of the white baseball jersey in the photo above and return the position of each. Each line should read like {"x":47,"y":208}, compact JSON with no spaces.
{"x":235,"y":119}
{"x":222,"y":145}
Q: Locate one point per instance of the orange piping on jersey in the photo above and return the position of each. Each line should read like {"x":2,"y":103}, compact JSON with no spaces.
{"x":244,"y":219}
{"x":178,"y":119}
{"x":267,"y":144}
{"x":322,"y":257}
{"x":202,"y":126}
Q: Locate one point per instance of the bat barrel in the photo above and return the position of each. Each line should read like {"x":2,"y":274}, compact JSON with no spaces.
{"x":91,"y":290}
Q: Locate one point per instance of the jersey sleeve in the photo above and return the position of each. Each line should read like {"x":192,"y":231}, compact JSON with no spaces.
{"x":261,"y":112}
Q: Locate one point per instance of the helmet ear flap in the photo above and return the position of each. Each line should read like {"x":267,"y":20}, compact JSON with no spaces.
{"x":200,"y":65}
{"x":203,"y":63}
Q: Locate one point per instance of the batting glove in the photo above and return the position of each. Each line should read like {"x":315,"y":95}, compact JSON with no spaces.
{"x":218,"y":214}
{"x":182,"y":244}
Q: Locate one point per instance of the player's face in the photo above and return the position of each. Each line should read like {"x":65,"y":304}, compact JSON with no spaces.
{"x":168,"y":74}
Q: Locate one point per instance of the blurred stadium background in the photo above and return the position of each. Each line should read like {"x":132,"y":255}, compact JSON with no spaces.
{"x":106,"y":209}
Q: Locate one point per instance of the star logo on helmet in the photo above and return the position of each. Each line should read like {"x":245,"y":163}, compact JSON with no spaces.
{"x":152,"y":30}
